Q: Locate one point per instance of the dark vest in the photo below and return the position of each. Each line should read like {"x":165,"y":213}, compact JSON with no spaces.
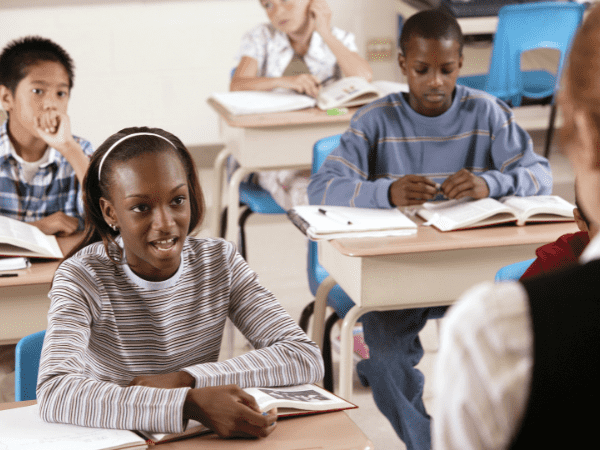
{"x":563,"y":408}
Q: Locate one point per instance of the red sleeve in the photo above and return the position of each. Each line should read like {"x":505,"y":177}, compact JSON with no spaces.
{"x":558,"y":255}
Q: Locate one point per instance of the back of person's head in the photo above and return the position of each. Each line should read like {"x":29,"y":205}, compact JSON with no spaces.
{"x":128,"y":144}
{"x":581,"y":75}
{"x":431,"y":24}
{"x":19,"y":55}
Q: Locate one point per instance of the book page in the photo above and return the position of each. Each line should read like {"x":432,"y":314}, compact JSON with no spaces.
{"x":344,"y":91}
{"x":20,"y":234}
{"x":454,"y":214}
{"x":543,"y":208}
{"x":23,"y":428}
{"x":306,"y":397}
{"x":257,"y":102}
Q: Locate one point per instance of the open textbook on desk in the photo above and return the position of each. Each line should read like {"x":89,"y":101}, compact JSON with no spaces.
{"x":22,"y":239}
{"x":23,"y":428}
{"x":334,"y":222}
{"x":448,"y":215}
{"x":349,"y":91}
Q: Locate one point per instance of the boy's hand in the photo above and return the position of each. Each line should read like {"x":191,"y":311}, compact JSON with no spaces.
{"x":412,"y":190}
{"x":320,"y":13}
{"x":304,"y":84}
{"x":58,"y":223}
{"x":229,"y":412}
{"x":464,"y":184}
{"x":171,"y":380}
{"x":55,"y":129}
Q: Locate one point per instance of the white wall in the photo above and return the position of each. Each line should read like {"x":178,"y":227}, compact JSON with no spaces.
{"x":156,"y":62}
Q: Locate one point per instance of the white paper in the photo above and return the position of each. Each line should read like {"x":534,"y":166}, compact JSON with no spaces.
{"x":23,"y":428}
{"x":258,"y":102}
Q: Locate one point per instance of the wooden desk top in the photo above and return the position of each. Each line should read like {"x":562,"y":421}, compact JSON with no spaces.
{"x":320,"y":431}
{"x":306,"y":116}
{"x":429,"y":239}
{"x":41,"y":271}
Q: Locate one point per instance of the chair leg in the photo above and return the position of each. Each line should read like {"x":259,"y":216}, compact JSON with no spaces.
{"x":223,"y":227}
{"x":327,"y":359}
{"x":550,"y":130}
{"x":242,"y":222}
{"x":305,"y":316}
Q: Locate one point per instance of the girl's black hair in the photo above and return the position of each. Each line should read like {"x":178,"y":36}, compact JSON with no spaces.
{"x":96,"y":228}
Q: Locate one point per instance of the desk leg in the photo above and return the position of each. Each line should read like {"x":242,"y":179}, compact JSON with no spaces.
{"x":218,"y":173}
{"x":233,"y":203}
{"x":347,"y":346}
{"x":319,"y":312}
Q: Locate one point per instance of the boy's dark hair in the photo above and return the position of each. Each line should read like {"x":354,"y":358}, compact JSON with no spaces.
{"x":20,"y":54}
{"x":431,"y":24}
{"x":95,"y":187}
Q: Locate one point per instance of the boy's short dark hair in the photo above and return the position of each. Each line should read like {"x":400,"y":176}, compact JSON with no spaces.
{"x":20,"y":54}
{"x":431,"y":24}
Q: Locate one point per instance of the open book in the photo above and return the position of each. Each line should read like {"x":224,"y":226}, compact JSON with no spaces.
{"x":350,"y":91}
{"x":289,"y":401}
{"x":22,"y":239}
{"x":448,"y":215}
{"x":334,"y":222}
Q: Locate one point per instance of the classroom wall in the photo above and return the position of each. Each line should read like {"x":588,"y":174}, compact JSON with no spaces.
{"x":153,"y":62}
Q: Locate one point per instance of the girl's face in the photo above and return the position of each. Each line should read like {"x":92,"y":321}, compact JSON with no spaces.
{"x":150,"y":206}
{"x":287,"y":16}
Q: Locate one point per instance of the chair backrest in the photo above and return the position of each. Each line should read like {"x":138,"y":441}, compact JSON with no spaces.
{"x":527,"y":26}
{"x":321,"y":149}
{"x":514,"y":271}
{"x":27,"y":364}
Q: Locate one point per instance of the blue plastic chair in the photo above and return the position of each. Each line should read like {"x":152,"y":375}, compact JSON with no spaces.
{"x":514,"y":271}
{"x":337,"y":299}
{"x":27,"y":364}
{"x":523,"y":27}
{"x":256,"y":200}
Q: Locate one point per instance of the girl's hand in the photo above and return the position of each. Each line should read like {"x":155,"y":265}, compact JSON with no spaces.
{"x":172,"y":380}
{"x":320,"y":13}
{"x":304,"y":84}
{"x":229,"y":412}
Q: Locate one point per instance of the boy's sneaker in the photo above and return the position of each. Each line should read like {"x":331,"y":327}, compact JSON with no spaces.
{"x":361,"y":350}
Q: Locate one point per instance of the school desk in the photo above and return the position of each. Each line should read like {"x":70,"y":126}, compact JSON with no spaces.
{"x":266,"y":142}
{"x":430,"y":268}
{"x":330,"y":431}
{"x":24,"y":299}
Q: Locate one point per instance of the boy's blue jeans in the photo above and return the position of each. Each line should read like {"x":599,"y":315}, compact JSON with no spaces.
{"x":394,"y":351}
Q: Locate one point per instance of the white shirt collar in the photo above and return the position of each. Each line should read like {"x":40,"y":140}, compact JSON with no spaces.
{"x":592,"y":251}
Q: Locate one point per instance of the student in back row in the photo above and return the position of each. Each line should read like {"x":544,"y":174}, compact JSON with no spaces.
{"x":41,"y":163}
{"x":297,"y":50}
{"x":440,"y":139}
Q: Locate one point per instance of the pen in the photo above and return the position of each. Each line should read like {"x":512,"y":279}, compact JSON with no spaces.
{"x":335,"y":216}
{"x":8,"y":275}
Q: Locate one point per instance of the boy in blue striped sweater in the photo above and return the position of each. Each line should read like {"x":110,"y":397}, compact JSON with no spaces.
{"x":439,"y":139}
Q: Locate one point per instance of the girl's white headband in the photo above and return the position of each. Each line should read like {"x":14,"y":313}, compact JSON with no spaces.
{"x":143,"y":133}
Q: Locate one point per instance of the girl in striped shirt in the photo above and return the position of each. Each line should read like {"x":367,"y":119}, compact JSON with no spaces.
{"x":138,"y":309}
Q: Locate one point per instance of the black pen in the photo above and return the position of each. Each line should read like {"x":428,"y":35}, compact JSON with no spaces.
{"x":335,"y":216}
{"x":8,"y":275}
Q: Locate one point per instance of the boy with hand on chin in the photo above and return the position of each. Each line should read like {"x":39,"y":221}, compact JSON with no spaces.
{"x":405,"y":149}
{"x":42,"y":164}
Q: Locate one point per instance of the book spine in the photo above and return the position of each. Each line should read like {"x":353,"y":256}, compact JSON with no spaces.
{"x":300,"y":223}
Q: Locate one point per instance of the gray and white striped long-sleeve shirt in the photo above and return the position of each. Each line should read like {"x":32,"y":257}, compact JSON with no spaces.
{"x":107,"y":326}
